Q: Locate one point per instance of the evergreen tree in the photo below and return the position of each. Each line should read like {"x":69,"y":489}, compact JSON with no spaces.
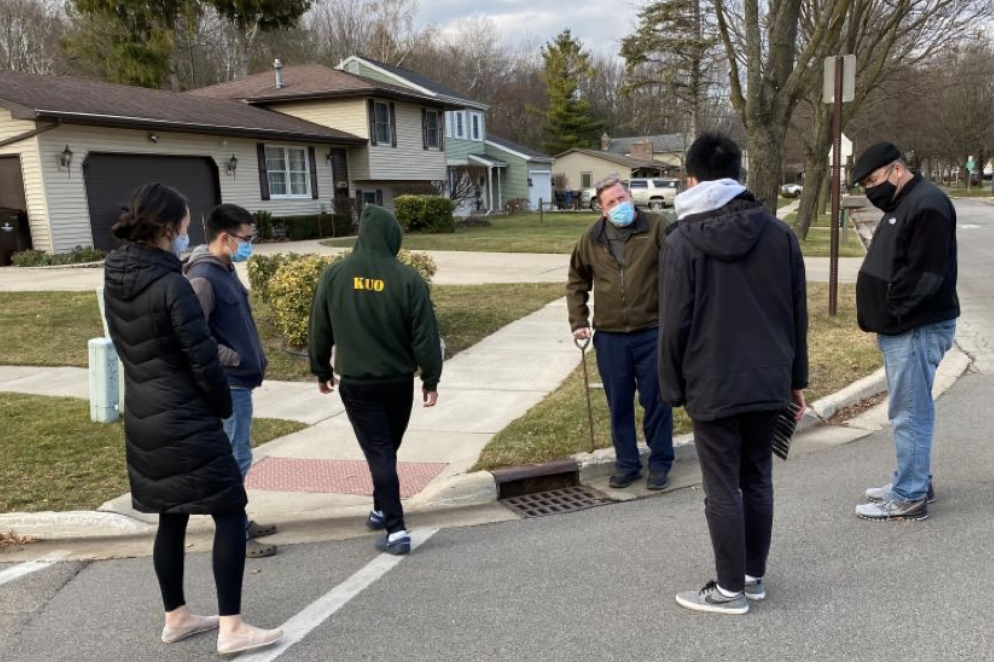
{"x":567,"y":122}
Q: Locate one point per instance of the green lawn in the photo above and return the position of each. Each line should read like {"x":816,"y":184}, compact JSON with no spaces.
{"x":466,"y":314}
{"x":839,"y":354}
{"x":819,"y":241}
{"x":519,"y":233}
{"x":54,"y":458}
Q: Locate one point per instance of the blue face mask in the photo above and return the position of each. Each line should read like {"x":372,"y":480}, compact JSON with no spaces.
{"x":180,"y":243}
{"x":243,"y":253}
{"x":622,"y":215}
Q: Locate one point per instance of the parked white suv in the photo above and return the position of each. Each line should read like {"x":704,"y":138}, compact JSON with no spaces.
{"x":654,"y":192}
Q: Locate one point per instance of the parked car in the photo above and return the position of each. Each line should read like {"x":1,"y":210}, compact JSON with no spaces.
{"x":791,"y":190}
{"x":654,"y":192}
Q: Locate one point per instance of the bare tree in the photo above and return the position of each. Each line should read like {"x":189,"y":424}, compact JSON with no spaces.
{"x":29,"y":35}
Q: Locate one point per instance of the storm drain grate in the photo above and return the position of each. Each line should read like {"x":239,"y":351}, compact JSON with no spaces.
{"x":554,"y":502}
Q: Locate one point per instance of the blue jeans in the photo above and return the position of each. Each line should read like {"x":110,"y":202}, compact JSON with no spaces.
{"x":910,"y":360}
{"x":238,"y":427}
{"x":627,"y":361}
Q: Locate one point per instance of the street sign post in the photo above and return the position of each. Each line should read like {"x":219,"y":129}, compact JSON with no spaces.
{"x":839,"y":86}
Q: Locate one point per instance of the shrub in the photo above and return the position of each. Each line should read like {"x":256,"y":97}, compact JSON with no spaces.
{"x":291,"y":286}
{"x":79,"y":255}
{"x":261,"y":269}
{"x":425,"y":213}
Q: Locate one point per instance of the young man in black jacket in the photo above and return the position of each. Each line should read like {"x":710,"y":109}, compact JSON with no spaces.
{"x":906,"y":294}
{"x":732,"y":350}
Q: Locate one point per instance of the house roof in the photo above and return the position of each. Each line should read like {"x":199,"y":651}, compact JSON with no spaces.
{"x":620,"y":159}
{"x":94,"y":103}
{"x":310,"y":81}
{"x":519,"y":149}
{"x":419,"y":80}
{"x":665,"y":142}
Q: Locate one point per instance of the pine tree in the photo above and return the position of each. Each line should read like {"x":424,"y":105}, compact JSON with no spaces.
{"x":567,"y":122}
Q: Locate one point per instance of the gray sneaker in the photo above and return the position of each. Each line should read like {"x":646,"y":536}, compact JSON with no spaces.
{"x":711,"y":600}
{"x":755,"y":590}
{"x":883,"y":493}
{"x":893,"y":509}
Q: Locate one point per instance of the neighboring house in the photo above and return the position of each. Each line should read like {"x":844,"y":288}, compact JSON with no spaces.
{"x":401,"y":128}
{"x":495,"y":170}
{"x":72,"y":151}
{"x":665,"y":148}
{"x":581,"y":168}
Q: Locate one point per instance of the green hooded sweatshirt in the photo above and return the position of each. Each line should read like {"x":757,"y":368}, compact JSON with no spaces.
{"x":376,"y":312}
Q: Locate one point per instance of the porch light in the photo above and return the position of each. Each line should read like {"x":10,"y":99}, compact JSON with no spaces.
{"x":232,"y":165}
{"x":65,"y":159}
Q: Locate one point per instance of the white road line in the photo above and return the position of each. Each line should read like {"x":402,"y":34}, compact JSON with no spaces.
{"x":321,"y":609}
{"x":26,"y":568}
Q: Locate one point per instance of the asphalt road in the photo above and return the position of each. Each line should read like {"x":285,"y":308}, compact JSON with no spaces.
{"x":599,"y":584}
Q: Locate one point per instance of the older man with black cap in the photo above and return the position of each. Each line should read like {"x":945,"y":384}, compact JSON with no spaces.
{"x":906,"y":294}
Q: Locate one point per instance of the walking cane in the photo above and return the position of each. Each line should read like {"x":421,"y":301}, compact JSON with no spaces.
{"x":586,"y":386}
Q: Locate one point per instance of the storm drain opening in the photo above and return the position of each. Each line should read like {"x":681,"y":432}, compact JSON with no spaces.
{"x":554,"y":502}
{"x":545,"y":489}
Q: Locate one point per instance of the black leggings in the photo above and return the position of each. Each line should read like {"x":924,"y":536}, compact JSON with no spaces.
{"x":228,"y":560}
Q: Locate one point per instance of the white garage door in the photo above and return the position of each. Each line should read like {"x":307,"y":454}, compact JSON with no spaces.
{"x":540,"y":189}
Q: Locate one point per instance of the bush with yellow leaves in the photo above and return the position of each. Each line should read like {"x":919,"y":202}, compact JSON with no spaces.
{"x":290,"y":289}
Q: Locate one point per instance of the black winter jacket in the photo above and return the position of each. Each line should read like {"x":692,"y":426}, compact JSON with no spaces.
{"x":179,"y":458}
{"x":732,"y":312}
{"x":908,"y":278}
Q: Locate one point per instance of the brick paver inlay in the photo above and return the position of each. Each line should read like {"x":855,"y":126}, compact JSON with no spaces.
{"x":278,"y":474}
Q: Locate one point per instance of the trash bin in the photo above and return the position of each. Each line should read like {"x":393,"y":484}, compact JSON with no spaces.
{"x":15,"y":233}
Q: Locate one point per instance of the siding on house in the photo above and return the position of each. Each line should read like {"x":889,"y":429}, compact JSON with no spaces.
{"x":408,"y":161}
{"x":68,"y":215}
{"x":31,"y":173}
{"x":574,"y":163}
{"x":514,"y":178}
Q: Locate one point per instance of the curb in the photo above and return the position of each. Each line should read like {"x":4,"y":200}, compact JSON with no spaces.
{"x":459,"y":492}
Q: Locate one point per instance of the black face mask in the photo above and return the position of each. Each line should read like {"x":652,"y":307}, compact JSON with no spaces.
{"x":882,"y":196}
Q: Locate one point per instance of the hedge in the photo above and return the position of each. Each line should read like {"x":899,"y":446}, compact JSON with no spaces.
{"x":32,"y":258}
{"x":425,"y":213}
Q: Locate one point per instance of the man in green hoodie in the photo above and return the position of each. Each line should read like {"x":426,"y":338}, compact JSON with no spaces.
{"x":378,"y":315}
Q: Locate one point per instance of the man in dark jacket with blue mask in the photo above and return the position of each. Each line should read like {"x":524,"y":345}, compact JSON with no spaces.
{"x":617,"y":259}
{"x":732,"y":350}
{"x":906,"y":294}
{"x":225,"y":301}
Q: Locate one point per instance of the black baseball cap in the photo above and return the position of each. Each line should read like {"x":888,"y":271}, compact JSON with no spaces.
{"x":875,"y":156}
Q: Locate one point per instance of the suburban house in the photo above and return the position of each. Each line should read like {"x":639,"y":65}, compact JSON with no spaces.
{"x":580,"y":168}
{"x":71,"y":152}
{"x":667,"y":149}
{"x":494,"y":169}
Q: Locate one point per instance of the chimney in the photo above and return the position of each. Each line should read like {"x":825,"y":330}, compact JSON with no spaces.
{"x":278,"y":67}
{"x":641,"y":150}
{"x":605,"y":142}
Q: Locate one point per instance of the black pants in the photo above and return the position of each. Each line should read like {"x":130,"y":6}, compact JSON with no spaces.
{"x":379,"y":414}
{"x":228,"y":558}
{"x":736,"y":456}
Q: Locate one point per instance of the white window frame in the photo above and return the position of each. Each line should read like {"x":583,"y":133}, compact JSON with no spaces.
{"x":388,"y":140}
{"x":448,"y":123}
{"x":460,"y":123}
{"x":287,"y":172}
{"x":476,"y":127}
{"x":438,"y":129}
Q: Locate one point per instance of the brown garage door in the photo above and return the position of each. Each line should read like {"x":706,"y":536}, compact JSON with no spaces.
{"x":110,"y":179}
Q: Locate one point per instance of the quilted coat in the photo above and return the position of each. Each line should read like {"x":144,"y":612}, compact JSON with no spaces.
{"x":179,"y":458}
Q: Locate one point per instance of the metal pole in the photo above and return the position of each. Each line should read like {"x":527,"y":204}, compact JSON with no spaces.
{"x":541,"y":216}
{"x":833,"y":271}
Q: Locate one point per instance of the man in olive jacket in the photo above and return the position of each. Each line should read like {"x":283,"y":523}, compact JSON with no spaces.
{"x":618,"y":259}
{"x":377,"y":314}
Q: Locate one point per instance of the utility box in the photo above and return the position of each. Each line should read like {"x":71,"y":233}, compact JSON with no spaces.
{"x":104,"y":381}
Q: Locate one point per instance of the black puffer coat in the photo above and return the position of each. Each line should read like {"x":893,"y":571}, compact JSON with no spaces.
{"x":179,"y":458}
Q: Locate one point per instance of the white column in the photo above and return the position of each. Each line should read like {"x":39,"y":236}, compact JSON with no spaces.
{"x":490,"y":186}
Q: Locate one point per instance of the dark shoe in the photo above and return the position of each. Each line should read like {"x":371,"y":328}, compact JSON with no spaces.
{"x":375,"y":521}
{"x":657,"y":480}
{"x":397,"y":547}
{"x":257,"y":550}
{"x":622,"y":480}
{"x":256,"y":530}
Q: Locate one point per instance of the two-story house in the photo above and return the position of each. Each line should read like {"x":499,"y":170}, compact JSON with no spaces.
{"x":495,"y":170}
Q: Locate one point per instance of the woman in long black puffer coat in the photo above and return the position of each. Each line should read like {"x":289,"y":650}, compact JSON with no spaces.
{"x":179,"y":458}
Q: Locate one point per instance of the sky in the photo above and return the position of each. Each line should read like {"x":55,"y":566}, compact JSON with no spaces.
{"x":599,"y":24}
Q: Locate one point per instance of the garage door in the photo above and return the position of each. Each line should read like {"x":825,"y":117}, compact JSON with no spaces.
{"x":110,"y":179}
